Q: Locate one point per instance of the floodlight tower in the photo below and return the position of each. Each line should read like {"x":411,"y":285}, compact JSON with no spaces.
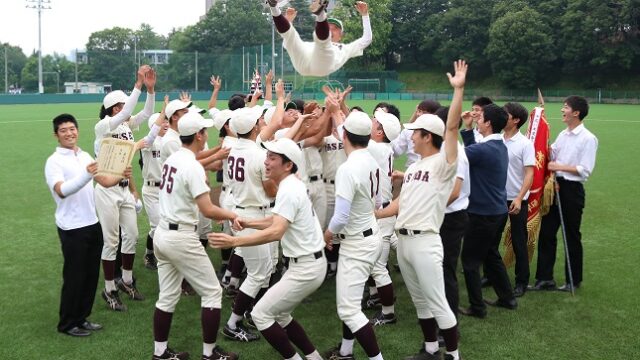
{"x":39,"y":5}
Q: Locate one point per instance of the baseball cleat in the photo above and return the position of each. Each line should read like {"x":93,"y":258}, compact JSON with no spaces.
{"x":250,"y":323}
{"x":381,"y":319}
{"x":372,"y":302}
{"x":230,"y":291}
{"x":169,"y":354}
{"x":334,"y":354}
{"x":130,"y":289}
{"x":113,"y":300}
{"x":450,"y":357}
{"x":318,"y":6}
{"x":240,"y":333}
{"x":150,"y":262}
{"x":220,"y":354}
{"x":424,"y":355}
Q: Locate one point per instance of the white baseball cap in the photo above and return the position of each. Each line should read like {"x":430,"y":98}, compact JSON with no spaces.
{"x":221,"y":118}
{"x":431,"y":123}
{"x":114,"y":97}
{"x":244,"y":119}
{"x":358,"y":123}
{"x":194,"y":108}
{"x":286,"y":147}
{"x":152,"y":119}
{"x":175,"y":105}
{"x":268,"y":115}
{"x":192,"y":122}
{"x":390,"y":124}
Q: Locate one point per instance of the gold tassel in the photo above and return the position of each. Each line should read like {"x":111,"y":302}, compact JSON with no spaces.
{"x":533,"y":232}
{"x":546,"y":200}
{"x":509,"y":257}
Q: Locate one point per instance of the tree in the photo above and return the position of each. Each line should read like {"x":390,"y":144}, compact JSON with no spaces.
{"x":520,"y":47}
{"x":16,"y":60}
{"x":304,"y":22}
{"x":111,"y":57}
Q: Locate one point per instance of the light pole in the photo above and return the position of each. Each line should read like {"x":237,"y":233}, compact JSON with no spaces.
{"x":6,"y":72}
{"x":39,"y":5}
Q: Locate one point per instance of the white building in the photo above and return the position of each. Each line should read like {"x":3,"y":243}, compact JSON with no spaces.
{"x":86,"y":87}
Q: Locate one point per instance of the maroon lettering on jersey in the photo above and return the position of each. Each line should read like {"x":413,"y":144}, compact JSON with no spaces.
{"x":167,"y":178}
{"x":418,"y":176}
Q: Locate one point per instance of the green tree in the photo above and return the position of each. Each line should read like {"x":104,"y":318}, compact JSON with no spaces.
{"x":304,"y":22}
{"x":16,"y":60}
{"x":520,"y":47}
{"x":111,"y":58}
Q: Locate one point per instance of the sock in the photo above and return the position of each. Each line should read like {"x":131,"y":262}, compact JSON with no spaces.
{"x":377,"y":357}
{"x":455,"y":354}
{"x":373,"y":291}
{"x":295,"y":357}
{"x":159,"y":347}
{"x":110,"y":285}
{"x":313,"y":356}
{"x":321,"y":17}
{"x":275,"y":11}
{"x":227,"y":274}
{"x":333,"y":266}
{"x":148,"y":251}
{"x":346,"y":347}
{"x":234,"y":282}
{"x":207,"y":349}
{"x":127,"y":276}
{"x":388,"y":309}
{"x":431,"y":347}
{"x":233,"y":320}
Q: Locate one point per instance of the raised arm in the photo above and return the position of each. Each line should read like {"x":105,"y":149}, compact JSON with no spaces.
{"x":276,"y":120}
{"x":457,"y":81}
{"x":268,"y":82}
{"x":150,"y":102}
{"x":367,"y":34}
{"x":217,"y":84}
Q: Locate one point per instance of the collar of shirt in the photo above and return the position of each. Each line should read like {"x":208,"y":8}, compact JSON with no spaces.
{"x":491,"y":137}
{"x":577,"y":130}
{"x":514,"y":138}
{"x":67,"y":152}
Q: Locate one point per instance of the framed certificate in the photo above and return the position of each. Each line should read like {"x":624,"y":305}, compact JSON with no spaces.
{"x":114,"y":156}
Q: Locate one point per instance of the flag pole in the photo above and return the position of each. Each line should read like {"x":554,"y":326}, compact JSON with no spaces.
{"x":566,"y":248}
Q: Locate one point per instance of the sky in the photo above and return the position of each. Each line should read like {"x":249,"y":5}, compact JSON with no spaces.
{"x":69,"y":23}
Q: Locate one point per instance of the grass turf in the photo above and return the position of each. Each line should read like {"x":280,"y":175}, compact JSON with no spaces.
{"x":598,"y":322}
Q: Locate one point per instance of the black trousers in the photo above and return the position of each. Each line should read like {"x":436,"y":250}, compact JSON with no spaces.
{"x":81,"y":249}
{"x":451,"y":232}
{"x":519,"y":237}
{"x":480,"y":246}
{"x":572,"y":201}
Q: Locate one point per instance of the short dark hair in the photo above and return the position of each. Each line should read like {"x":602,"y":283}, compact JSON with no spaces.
{"x":436,"y":140}
{"x":496,"y":115}
{"x":188,"y":140}
{"x":482,"y":101}
{"x":356,"y":108}
{"x":380,"y":105}
{"x":236,"y":101}
{"x":285,"y":159}
{"x":391,"y":109}
{"x":517,"y":111}
{"x":443,"y":113}
{"x":429,"y":106}
{"x":357,"y":140}
{"x":578,"y":103}
{"x":61,"y":119}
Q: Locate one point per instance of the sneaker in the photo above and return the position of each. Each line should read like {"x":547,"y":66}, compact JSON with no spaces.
{"x":225,"y":282}
{"x":424,"y":355}
{"x":250,"y":323}
{"x":272,"y":3}
{"x":334,"y":354}
{"x":171,"y":355}
{"x":372,"y":302}
{"x":330,"y":273}
{"x":450,"y":357}
{"x":318,"y":6}
{"x":113,"y":300}
{"x":230,"y":291}
{"x":220,"y":273}
{"x":381,"y":319}
{"x":220,"y":354}
{"x":240,"y":333}
{"x":130,"y":289}
{"x":150,"y":262}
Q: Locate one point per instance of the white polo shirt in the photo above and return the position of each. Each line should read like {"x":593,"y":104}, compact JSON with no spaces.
{"x":246,"y":170}
{"x":425,"y":191}
{"x":304,"y":235}
{"x":521,"y":155}
{"x":575,"y":148}
{"x":462,"y":172}
{"x":333,"y":155}
{"x":169,"y":144}
{"x":383,"y":154}
{"x":79,"y":209}
{"x":404,"y":145}
{"x":183,"y":179}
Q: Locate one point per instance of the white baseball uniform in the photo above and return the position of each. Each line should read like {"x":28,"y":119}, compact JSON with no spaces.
{"x":151,"y":168}
{"x":317,"y":191}
{"x":422,"y":201}
{"x":226,"y":196}
{"x":302,"y":243}
{"x":177,"y":246}
{"x":323,"y":57}
{"x":333,"y":155}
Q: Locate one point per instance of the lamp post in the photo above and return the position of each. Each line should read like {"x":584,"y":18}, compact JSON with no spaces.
{"x":39,"y":5}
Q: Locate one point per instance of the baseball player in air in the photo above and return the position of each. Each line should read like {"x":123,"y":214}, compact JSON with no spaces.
{"x":354,"y":223}
{"x":116,"y":205}
{"x":295,"y":222}
{"x":253,"y":195}
{"x":184,"y":194}
{"x":420,"y":210}
{"x":325,"y":54}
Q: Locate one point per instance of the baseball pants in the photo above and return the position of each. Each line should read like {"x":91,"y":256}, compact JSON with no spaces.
{"x":116,"y":210}
{"x":318,"y":195}
{"x":380,"y":272}
{"x":309,"y":58}
{"x":151,"y":203}
{"x":257,"y":258}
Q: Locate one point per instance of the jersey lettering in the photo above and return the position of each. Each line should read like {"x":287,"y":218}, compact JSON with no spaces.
{"x":236,"y":168}
{"x":167,"y":178}
{"x":418,"y":176}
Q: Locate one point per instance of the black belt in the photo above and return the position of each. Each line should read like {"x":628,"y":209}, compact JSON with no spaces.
{"x":315,"y":178}
{"x":153,"y":183}
{"x":272,"y":204}
{"x":562,"y":179}
{"x":365,"y":233}
{"x":176,"y":226}
{"x":404,"y":231}
{"x":385,"y":204}
{"x":124,"y":183}
{"x":316,"y":255}
{"x":329,"y":181}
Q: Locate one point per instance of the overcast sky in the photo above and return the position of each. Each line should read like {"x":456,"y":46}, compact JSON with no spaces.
{"x":69,"y":23}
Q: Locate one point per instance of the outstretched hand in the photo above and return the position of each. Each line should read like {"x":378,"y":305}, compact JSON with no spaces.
{"x":290,"y":14}
{"x":215,"y":82}
{"x":460,"y":73}
{"x":362,"y":7}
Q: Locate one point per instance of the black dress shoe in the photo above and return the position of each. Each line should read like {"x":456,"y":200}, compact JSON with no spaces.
{"x":470,"y":312}
{"x":77,"y":332}
{"x":567,"y":287}
{"x":542,"y":285}
{"x":91,"y":326}
{"x":507,"y":304}
{"x":519,"y":290}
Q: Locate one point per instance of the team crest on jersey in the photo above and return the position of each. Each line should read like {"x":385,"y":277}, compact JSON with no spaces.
{"x":333,"y":146}
{"x":123,"y":136}
{"x":417,"y":176}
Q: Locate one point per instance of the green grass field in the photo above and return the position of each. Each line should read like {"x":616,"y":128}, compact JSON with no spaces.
{"x":597,"y":323}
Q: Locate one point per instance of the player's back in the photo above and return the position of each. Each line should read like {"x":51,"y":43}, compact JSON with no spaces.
{"x":245,"y":168}
{"x":383,"y":154}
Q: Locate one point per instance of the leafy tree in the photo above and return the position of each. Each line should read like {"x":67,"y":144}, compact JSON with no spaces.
{"x":304,"y":22}
{"x":16,"y":60}
{"x":111,"y":58}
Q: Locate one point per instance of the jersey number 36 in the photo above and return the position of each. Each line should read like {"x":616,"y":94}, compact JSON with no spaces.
{"x":236,"y":168}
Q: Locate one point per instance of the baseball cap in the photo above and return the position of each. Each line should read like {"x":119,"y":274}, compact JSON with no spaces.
{"x":175,"y":105}
{"x":431,"y":123}
{"x":152,"y":119}
{"x":296,"y":104}
{"x":268,"y":115}
{"x":114,"y":97}
{"x":286,"y":147}
{"x":221,"y":118}
{"x":192,"y":122}
{"x":335,"y":22}
{"x":390,"y":124}
{"x":358,"y":123}
{"x":194,"y":108}
{"x":244,"y":119}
